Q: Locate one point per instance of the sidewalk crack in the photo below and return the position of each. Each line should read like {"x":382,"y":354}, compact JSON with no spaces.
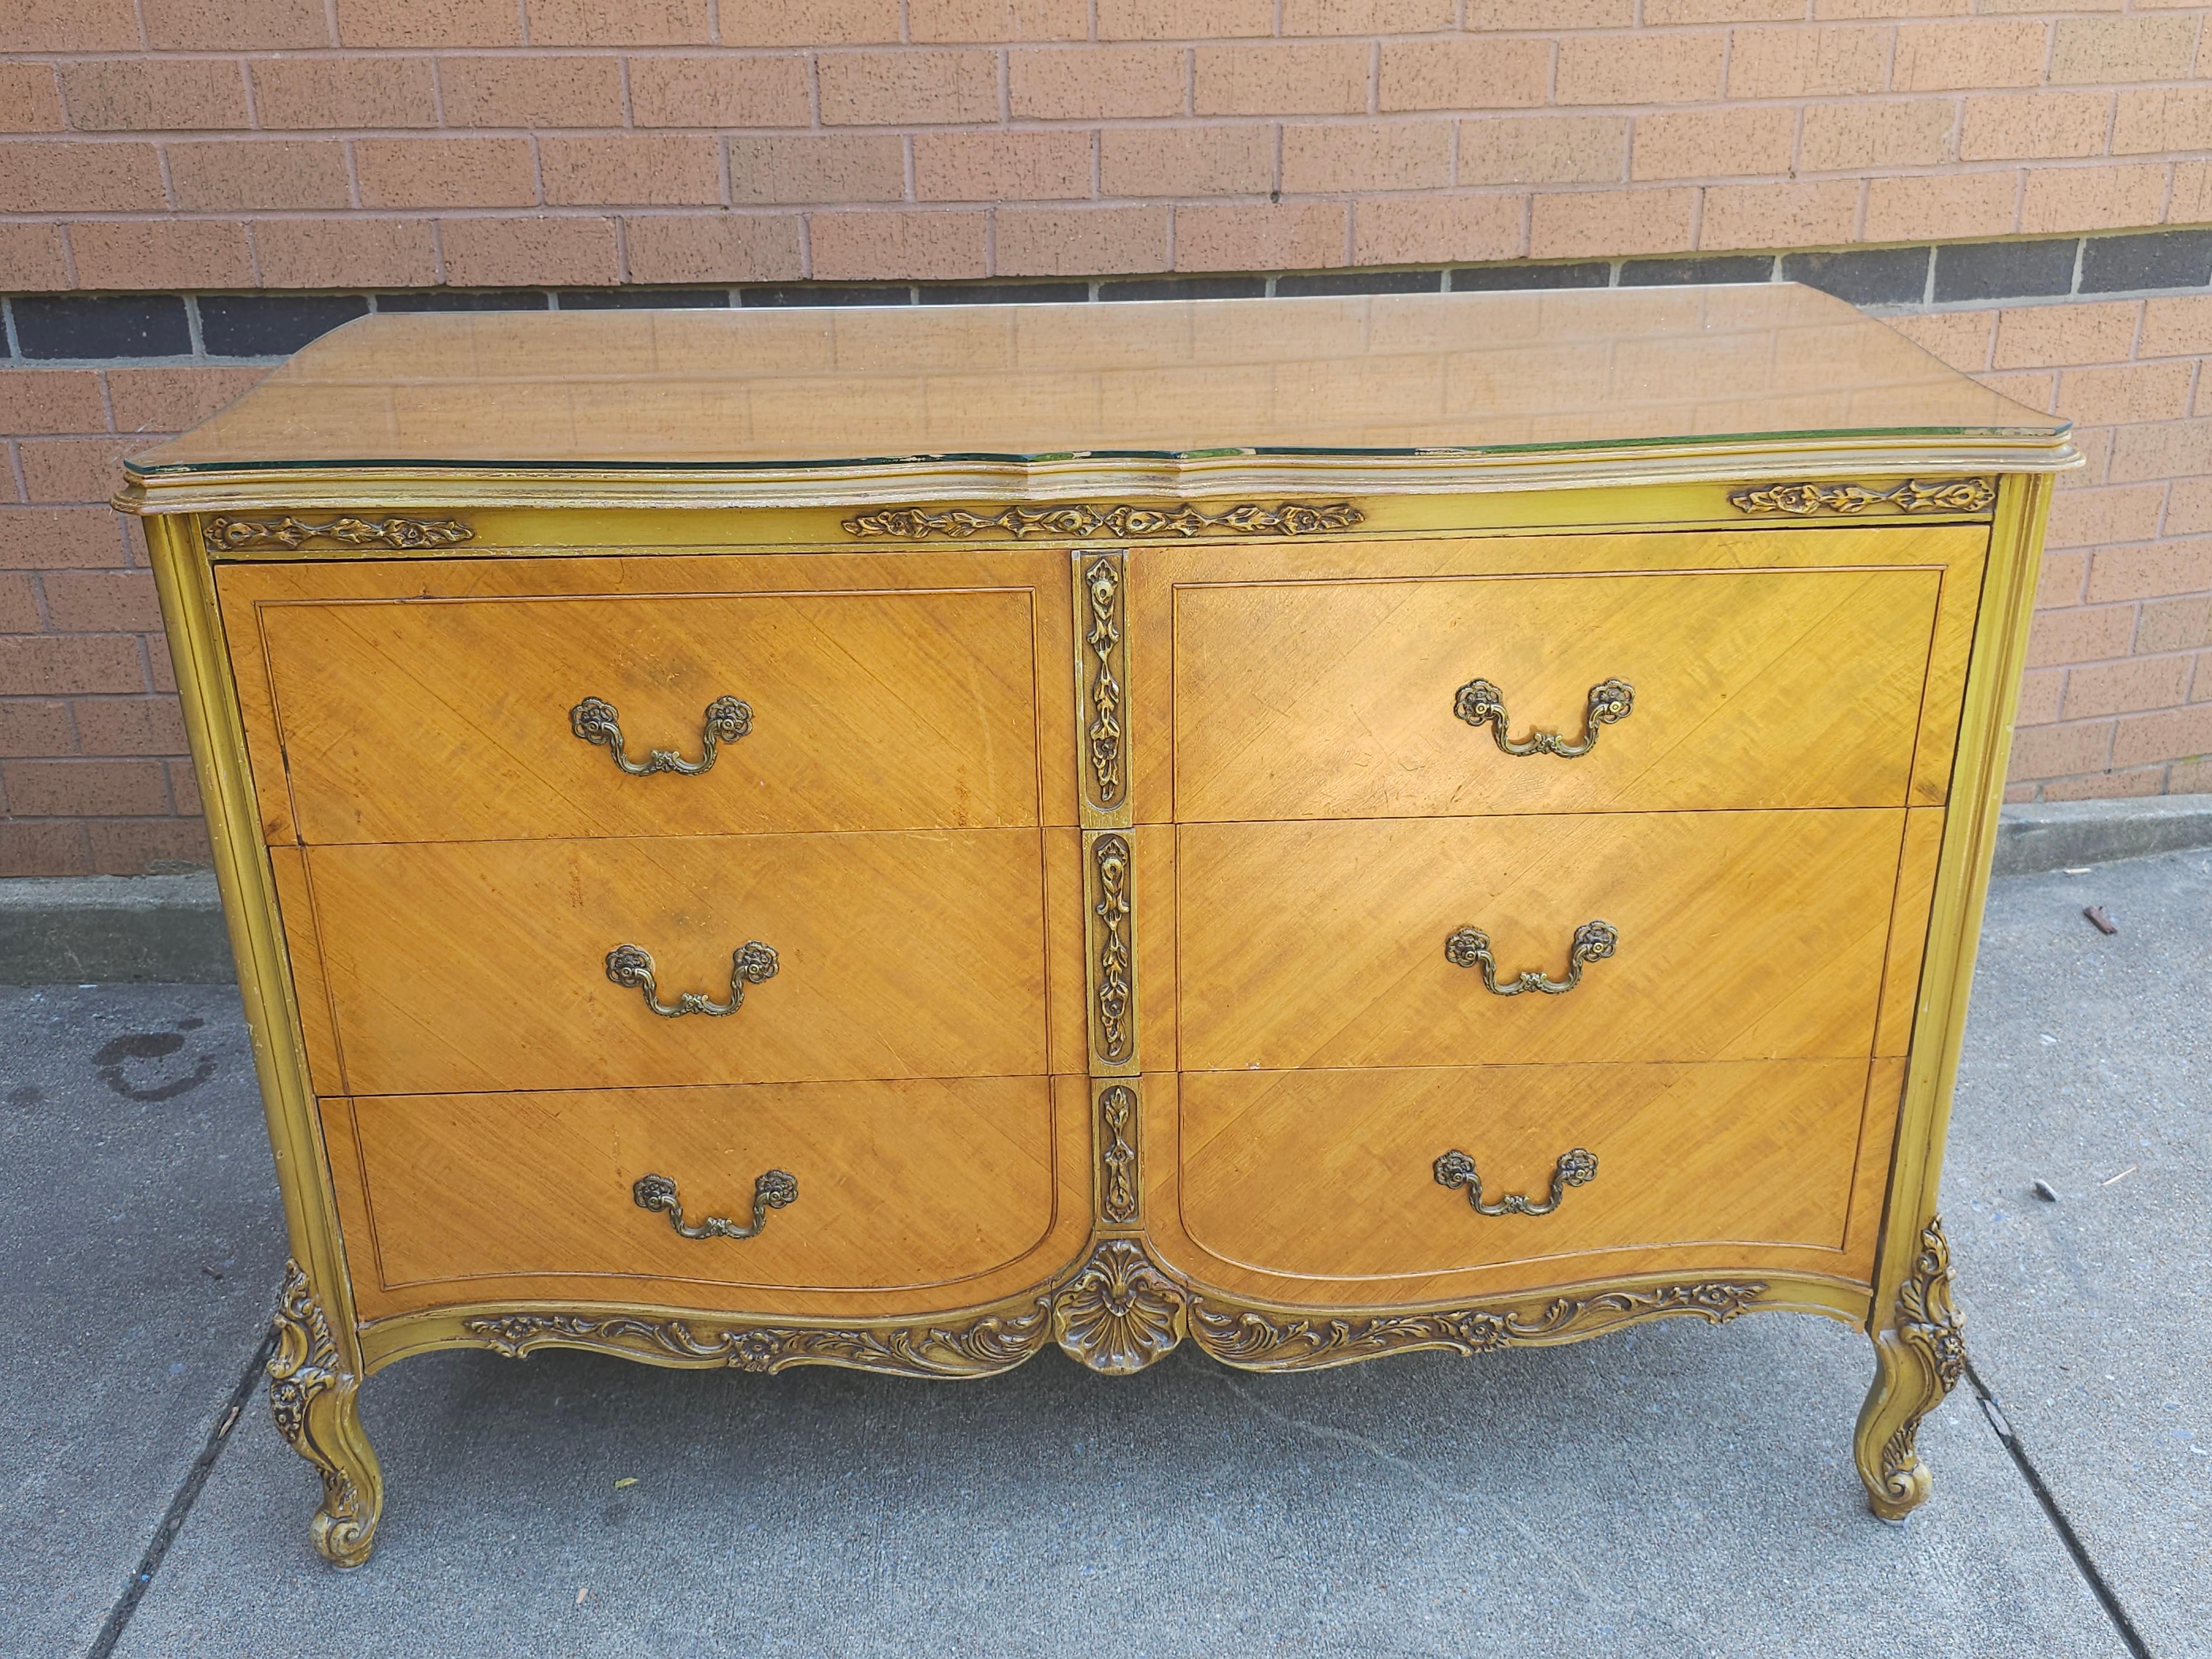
{"x":2001,"y":1425}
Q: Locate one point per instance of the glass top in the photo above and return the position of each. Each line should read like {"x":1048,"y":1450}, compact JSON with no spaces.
{"x":1474,"y":373}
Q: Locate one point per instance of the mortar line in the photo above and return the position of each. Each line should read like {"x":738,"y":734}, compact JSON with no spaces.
{"x":2001,"y":1425}
{"x":180,"y":1505}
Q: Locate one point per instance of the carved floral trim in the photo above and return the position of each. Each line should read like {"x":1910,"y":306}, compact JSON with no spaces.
{"x":223,"y":535}
{"x":1928,"y":1324}
{"x":1913,"y":495}
{"x":1117,"y":1155}
{"x":1110,"y":855}
{"x":305,"y":1366}
{"x":1120,"y":520}
{"x":1121,"y":1311}
{"x":1101,"y":584}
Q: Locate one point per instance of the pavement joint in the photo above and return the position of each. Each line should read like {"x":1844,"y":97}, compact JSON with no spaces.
{"x":180,"y":1505}
{"x":2008,"y":1438}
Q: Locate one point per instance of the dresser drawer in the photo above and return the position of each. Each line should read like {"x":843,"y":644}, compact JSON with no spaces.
{"x":1335,"y":699}
{"x":1737,"y":935}
{"x":480,"y":965}
{"x":420,"y":719}
{"x":1334,"y":1174}
{"x":897,"y":1184}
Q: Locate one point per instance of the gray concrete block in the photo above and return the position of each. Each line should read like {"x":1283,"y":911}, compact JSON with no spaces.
{"x":2089,"y":1065}
{"x":139,"y":1242}
{"x":2032,"y":837}
{"x":103,"y":930}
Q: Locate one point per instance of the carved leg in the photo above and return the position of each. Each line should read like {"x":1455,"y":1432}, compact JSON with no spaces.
{"x":1921,"y":1358}
{"x":314,"y":1400}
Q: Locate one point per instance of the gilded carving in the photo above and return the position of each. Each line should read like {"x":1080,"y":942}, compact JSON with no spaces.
{"x":224,"y":535}
{"x":1116,"y":967}
{"x":1930,"y":1331}
{"x":1256,"y":1340}
{"x":1121,"y":1311}
{"x":1117,"y":1155}
{"x":1913,"y":495}
{"x":978,"y":1346}
{"x":1101,"y":583}
{"x":311,"y":1397}
{"x":1120,"y":521}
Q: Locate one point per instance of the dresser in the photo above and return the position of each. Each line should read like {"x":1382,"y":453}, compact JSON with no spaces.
{"x":907,"y":837}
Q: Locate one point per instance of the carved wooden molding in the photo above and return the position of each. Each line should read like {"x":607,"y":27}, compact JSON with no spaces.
{"x":1117,"y":1154}
{"x":1101,"y":587}
{"x":1929,"y":1328}
{"x":221,"y":535}
{"x":1116,"y":964}
{"x":1119,"y":520}
{"x":1913,"y":495}
{"x":1121,"y":1311}
{"x":310,"y":1395}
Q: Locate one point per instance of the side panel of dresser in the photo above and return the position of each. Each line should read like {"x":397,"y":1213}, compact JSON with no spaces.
{"x":1832,"y":580}
{"x":442,"y":712}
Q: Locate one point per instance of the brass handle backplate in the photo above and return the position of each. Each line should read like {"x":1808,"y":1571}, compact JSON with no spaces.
{"x":728,"y":719}
{"x":1481,"y":703}
{"x":771,"y":1192}
{"x":1576,"y":1168}
{"x":631,"y":967}
{"x":1469,"y":947}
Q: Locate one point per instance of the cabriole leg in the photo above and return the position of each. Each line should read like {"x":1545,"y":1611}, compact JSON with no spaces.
{"x":1920,"y":1358}
{"x":315,"y":1402}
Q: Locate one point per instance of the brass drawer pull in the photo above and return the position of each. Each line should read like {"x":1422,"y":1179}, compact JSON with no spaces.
{"x":1455,"y":1169}
{"x":1469,"y":947}
{"x":771,"y":1192}
{"x":728,"y":719}
{"x":631,"y":967}
{"x":1481,"y":703}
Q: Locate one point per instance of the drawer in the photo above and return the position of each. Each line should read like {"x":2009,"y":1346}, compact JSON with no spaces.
{"x":1344,"y":699}
{"x":1740,"y":936}
{"x":454,"y":718}
{"x":484,"y":965}
{"x":898,"y":1184}
{"x":1333,"y":1173}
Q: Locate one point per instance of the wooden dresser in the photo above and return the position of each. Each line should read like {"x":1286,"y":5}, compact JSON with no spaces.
{"x":907,"y":837}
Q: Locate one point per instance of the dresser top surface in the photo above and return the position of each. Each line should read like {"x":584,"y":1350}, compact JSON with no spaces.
{"x":1470,"y":375}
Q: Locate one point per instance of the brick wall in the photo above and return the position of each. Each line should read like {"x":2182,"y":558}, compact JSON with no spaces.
{"x":190,"y":188}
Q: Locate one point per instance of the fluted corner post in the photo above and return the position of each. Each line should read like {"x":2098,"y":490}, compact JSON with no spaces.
{"x":315,"y":1402}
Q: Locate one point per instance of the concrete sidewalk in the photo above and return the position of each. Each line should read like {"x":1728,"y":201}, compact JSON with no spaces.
{"x":1677,"y":1490}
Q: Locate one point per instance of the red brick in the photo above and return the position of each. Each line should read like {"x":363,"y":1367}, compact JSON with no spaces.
{"x":2150,"y":572}
{"x":76,"y":469}
{"x":2071,"y":199}
{"x":1219,"y":160}
{"x":540,"y":90}
{"x":1438,"y":229}
{"x":2189,"y":506}
{"x":2166,"y":449}
{"x":19,"y":604}
{"x":140,"y":94}
{"x":54,"y":665}
{"x":2041,"y":689}
{"x":1970,"y":57}
{"x":446,"y":172}
{"x":1291,"y":236}
{"x":631,"y":169}
{"x":629,"y":23}
{"x":1641,"y":68}
{"x":130,"y":725}
{"x":2179,"y":734}
{"x":1080,"y":242}
{"x":353,"y":91}
{"x":219,"y":176}
{"x":101,"y":601}
{"x":1824,"y":61}
{"x":942,"y":245}
{"x":30,"y":99}
{"x":50,"y":400}
{"x":1334,"y":156}
{"x":1477,"y":73}
{"x":2180,"y":327}
{"x":1783,"y":215}
{"x":133,"y":847}
{"x":35,"y":728}
{"x":2183,"y":624}
{"x":184,"y":788}
{"x":44,"y":849}
{"x":1607,"y":223}
{"x":412,"y":23}
{"x":1001,"y":167}
{"x":713,"y":247}
{"x":532,"y":251}
{"x":2057,"y":638}
{"x":1544,"y":150}
{"x":1941,"y":206}
{"x":1087,"y":83}
{"x":825,"y":23}
{"x":2034,"y":125}
{"x":2060,"y":582}
{"x":1329,"y":78}
{"x":916,"y":87}
{"x":346,"y":252}
{"x":2111,"y":51}
{"x":989,"y":23}
{"x":58,"y":538}
{"x":161,"y":253}
{"x":2107,"y":785}
{"x":2126,"y":392}
{"x":1861,"y":135}
{"x":50,"y":175}
{"x":1174,"y":19}
{"x":2084,"y":331}
{"x":86,"y":788}
{"x":68,"y":25}
{"x":235,"y":25}
{"x":718,"y":92}
{"x":2189,"y":778}
{"x":2053,"y":751}
{"x":826,"y":168}
{"x":2125,"y":687}
{"x":2162,"y":118}
{"x":1699,"y":143}
{"x":31,"y":257}
{"x":1368,"y":17}
{"x":2088,"y":517}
